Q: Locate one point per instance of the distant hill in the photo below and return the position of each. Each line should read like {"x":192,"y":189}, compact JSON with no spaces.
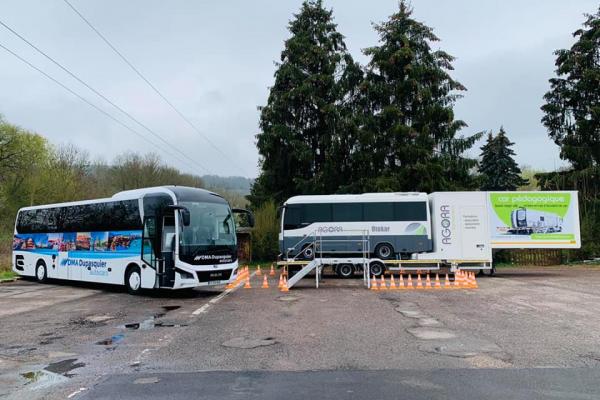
{"x":237,"y":184}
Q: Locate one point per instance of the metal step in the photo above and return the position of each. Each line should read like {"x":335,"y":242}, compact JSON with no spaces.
{"x":303,"y":272}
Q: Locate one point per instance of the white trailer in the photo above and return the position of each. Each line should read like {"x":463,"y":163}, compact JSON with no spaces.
{"x":464,"y":228}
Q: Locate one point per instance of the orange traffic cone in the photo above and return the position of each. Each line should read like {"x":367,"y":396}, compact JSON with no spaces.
{"x":447,"y":283}
{"x":280,"y":281}
{"x":382,"y":285}
{"x":409,"y":283}
{"x":428,"y":283}
{"x":272,"y":272}
{"x":419,"y":282}
{"x":468,"y":280}
{"x":438,"y":285}
{"x":472,"y":280}
{"x":247,"y":284}
{"x":464,"y":282}
{"x":265,"y":284}
{"x":456,"y":280}
{"x":401,"y":283}
{"x":393,"y":283}
{"x":374,"y":283}
{"x":475,"y":285}
{"x":258,"y":271}
{"x":284,"y":287}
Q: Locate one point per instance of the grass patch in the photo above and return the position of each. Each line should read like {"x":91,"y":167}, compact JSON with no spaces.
{"x":7,"y":275}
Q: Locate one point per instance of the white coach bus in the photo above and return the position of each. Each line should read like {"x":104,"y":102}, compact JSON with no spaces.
{"x":396,"y":224}
{"x":161,"y":237}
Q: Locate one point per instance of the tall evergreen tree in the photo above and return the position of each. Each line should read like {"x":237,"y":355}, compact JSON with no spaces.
{"x":302,"y":143}
{"x":572,"y":117}
{"x":499,"y":170}
{"x":572,"y":109}
{"x":408,"y":139}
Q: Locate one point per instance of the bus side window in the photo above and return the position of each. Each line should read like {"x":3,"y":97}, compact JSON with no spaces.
{"x":148,"y":239}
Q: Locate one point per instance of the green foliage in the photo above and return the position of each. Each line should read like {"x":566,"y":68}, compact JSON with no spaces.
{"x":572,"y":109}
{"x":330,"y":127}
{"x":265,"y":232}
{"x":408,"y":137}
{"x":572,"y":117}
{"x":529,"y":174}
{"x":301,"y":143}
{"x":499,"y":170}
{"x":587,"y":183}
{"x":35,"y":172}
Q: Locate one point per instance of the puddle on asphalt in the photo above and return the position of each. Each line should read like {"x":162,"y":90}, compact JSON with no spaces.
{"x":64,"y":367}
{"x":151,"y":323}
{"x":54,"y":373}
{"x":114,"y":339}
{"x":43,"y":378}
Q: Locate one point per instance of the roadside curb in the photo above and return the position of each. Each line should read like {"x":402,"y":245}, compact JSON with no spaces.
{"x":16,"y":278}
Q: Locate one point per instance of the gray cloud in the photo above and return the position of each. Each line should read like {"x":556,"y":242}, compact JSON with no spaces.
{"x":214,"y":60}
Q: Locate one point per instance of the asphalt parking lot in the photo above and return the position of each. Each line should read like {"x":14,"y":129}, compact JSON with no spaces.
{"x":526,"y":333}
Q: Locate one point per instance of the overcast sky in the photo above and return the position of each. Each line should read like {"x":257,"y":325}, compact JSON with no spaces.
{"x":214,"y":61}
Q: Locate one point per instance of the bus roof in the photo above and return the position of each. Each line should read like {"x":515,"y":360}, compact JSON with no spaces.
{"x":358,"y":198}
{"x":177,"y":192}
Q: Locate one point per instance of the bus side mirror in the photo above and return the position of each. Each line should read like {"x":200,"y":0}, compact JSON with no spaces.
{"x":185,"y":217}
{"x":248,"y":213}
{"x":185,"y":213}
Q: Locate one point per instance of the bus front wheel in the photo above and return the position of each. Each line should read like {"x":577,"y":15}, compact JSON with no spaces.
{"x":133,"y":280}
{"x":41,"y":274}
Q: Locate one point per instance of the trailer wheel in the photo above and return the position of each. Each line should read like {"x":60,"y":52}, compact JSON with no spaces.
{"x":384,"y":251}
{"x":377,"y":268}
{"x":345,"y":270}
{"x":133,"y":280}
{"x":41,"y":274}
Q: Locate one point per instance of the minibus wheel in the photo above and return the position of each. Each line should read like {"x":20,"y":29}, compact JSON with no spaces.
{"x":308,"y":252}
{"x":133,"y":280}
{"x":41,"y":274}
{"x":384,"y":251}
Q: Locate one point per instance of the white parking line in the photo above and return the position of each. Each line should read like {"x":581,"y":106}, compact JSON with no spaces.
{"x":75,"y":393}
{"x":220,"y":297}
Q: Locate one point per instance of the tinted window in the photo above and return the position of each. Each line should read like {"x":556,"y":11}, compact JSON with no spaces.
{"x":410,"y":211}
{"x":378,"y":211}
{"x":98,"y":217}
{"x":347,"y":212}
{"x":317,"y":213}
{"x":292,"y":216}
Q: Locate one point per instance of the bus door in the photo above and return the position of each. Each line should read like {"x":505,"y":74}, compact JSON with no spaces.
{"x":168,"y":249}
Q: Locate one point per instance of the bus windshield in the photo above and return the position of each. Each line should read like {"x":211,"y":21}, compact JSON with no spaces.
{"x":211,"y":224}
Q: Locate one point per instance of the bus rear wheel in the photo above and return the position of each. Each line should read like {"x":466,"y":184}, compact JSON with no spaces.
{"x":133,"y":280}
{"x":41,"y":274}
{"x":384,"y":251}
